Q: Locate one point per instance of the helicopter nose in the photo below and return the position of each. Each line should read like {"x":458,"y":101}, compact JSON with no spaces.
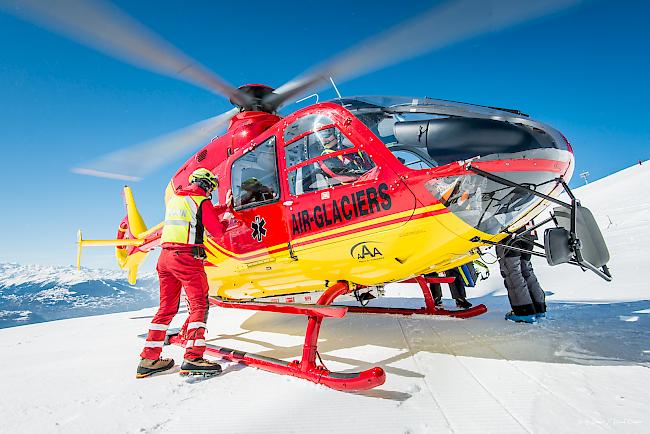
{"x":492,"y":206}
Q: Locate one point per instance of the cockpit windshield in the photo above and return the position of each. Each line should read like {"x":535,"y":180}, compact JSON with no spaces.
{"x":439,"y":132}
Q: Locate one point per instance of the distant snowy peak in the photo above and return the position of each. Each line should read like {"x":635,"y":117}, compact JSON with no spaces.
{"x":35,"y":293}
{"x":12,"y":274}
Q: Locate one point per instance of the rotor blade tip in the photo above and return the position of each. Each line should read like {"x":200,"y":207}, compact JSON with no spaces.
{"x":103,"y":174}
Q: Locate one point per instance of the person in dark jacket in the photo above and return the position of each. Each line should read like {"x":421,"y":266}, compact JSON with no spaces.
{"x":526,"y":295}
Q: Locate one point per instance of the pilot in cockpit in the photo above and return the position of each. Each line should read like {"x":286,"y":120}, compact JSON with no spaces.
{"x":344,"y":167}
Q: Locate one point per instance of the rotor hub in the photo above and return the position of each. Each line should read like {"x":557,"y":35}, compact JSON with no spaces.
{"x":257,"y":92}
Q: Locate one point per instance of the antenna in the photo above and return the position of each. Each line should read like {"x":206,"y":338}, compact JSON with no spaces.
{"x":584,"y":176}
{"x":335,"y":88}
{"x":307,"y":97}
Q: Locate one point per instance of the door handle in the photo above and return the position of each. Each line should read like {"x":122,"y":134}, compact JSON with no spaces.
{"x":287,"y":203}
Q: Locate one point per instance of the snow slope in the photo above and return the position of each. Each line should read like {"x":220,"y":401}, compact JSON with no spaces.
{"x":33,"y":293}
{"x":584,"y":369}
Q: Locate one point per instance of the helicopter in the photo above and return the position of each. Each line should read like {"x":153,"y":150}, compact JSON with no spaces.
{"x":345,"y":196}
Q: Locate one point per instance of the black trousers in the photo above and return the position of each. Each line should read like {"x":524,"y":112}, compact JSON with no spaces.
{"x":457,"y":287}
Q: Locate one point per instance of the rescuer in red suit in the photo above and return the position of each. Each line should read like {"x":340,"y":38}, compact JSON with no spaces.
{"x":187,"y":214}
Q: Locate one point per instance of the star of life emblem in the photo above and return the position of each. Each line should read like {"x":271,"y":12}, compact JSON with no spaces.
{"x":259,"y":231}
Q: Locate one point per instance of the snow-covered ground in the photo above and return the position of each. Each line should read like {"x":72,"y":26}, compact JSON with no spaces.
{"x":584,"y":369}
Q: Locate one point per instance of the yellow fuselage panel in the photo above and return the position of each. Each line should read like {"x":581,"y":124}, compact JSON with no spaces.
{"x":397,"y":251}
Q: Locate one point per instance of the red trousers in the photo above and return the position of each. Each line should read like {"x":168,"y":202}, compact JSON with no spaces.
{"x":178,"y":268}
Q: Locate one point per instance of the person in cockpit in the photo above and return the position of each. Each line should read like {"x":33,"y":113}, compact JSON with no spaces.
{"x":344,"y":168}
{"x":254,"y":192}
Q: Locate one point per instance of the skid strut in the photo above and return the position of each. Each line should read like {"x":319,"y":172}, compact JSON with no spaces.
{"x":429,"y":304}
{"x":306,"y":367}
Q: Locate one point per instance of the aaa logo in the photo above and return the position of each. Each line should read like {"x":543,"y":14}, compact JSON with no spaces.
{"x":366,"y":251}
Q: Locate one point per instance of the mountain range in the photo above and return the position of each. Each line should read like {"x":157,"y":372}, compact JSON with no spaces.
{"x":36,"y":293}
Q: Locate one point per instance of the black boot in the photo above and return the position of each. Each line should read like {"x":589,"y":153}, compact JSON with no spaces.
{"x":149,"y":367}
{"x":200,"y":366}
{"x":438,"y":302}
{"x":462,"y":303}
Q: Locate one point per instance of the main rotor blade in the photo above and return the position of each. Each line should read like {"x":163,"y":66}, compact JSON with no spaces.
{"x":133,"y":163}
{"x":105,"y":28}
{"x":439,"y":27}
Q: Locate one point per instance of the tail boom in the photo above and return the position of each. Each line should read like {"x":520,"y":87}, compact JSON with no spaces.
{"x":133,"y":241}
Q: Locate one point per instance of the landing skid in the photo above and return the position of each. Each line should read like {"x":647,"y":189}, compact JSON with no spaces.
{"x":429,"y":304}
{"x":305,"y":368}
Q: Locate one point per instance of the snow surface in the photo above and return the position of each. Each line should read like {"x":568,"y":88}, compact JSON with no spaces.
{"x":584,"y":369}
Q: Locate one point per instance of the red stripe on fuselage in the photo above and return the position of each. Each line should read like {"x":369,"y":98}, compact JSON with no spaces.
{"x":328,"y":237}
{"x":377,"y":225}
{"x":515,"y":165}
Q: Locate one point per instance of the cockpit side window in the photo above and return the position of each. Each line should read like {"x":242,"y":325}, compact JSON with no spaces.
{"x":304,"y":124}
{"x":411,"y":158}
{"x":317,"y":161}
{"x":381,"y":124}
{"x":316,"y":144}
{"x":255,"y":176}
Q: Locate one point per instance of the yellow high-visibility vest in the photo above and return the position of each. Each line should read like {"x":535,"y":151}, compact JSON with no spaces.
{"x":181,"y":223}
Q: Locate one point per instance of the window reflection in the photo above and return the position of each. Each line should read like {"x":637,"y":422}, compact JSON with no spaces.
{"x":304,"y":124}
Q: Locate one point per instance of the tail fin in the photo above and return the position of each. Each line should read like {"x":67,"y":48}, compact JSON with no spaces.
{"x":131,"y":234}
{"x":136,"y":223}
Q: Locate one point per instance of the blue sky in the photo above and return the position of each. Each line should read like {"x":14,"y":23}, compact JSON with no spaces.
{"x":585,"y":71}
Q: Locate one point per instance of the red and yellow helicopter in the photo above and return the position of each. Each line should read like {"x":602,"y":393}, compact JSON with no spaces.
{"x":348,"y":195}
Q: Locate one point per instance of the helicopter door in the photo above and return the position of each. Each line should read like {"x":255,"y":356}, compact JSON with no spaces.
{"x":334,"y":184}
{"x":258,"y":230}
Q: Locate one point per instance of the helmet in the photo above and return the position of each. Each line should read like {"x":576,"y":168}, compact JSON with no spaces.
{"x":327,"y":137}
{"x":204,"y":178}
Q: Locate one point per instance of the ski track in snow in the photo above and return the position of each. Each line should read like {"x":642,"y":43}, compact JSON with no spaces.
{"x":583,"y":369}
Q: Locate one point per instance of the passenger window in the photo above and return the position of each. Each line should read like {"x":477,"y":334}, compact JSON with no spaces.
{"x":255,"y":177}
{"x":304,"y":124}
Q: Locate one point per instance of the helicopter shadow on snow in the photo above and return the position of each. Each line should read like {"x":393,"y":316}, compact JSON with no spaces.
{"x":574,"y":333}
